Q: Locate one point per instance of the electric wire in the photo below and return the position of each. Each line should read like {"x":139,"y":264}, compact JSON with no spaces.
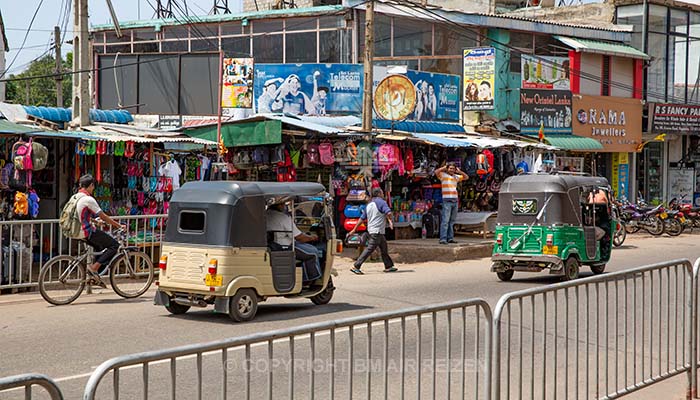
{"x":24,"y":41}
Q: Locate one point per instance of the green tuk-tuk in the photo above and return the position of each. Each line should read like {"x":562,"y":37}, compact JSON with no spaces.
{"x":555,"y":222}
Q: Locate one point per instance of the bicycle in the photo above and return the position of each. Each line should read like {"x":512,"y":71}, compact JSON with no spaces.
{"x":63,"y":278}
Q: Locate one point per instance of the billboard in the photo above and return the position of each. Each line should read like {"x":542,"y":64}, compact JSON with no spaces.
{"x":544,"y":72}
{"x":615,"y":122}
{"x":551,"y":108}
{"x":308,"y":89}
{"x":437,"y":94}
{"x":237,"y":89}
{"x":395,"y":98}
{"x":675,"y":118}
{"x":479,"y":70}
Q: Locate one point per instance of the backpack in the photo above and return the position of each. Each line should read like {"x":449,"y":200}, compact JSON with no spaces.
{"x":70,"y":222}
{"x":325,"y":150}
{"x":482,"y":164}
{"x":364,"y":153}
{"x":339,"y":153}
{"x":33,"y":200}
{"x":261,"y":155}
{"x":40,"y":156}
{"x":312,"y":154}
{"x":387,"y":155}
{"x":22,"y":155}
{"x":21,"y":206}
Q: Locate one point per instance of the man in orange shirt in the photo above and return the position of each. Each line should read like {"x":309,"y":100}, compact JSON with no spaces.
{"x":449,"y":176}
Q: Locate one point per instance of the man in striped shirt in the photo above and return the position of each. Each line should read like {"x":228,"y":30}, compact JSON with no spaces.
{"x":449,"y":176}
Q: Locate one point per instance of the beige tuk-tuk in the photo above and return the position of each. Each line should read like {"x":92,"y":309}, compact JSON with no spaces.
{"x":218,"y":251}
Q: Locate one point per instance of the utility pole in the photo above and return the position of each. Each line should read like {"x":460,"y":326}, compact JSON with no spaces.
{"x":367,"y":109}
{"x":59,"y":66}
{"x":26,"y":87}
{"x":81,"y":63}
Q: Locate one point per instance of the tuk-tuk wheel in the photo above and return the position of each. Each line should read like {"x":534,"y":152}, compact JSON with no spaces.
{"x":505,"y":276}
{"x":243,"y":305}
{"x":176,"y":308}
{"x":325,"y":296}
{"x":598,"y":268}
{"x":571,"y":269}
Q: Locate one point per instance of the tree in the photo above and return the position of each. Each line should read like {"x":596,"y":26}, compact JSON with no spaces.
{"x":42,"y":91}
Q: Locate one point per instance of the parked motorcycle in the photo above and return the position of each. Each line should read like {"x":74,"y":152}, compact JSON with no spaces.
{"x":674,"y":222}
{"x":620,"y":232}
{"x":690,"y":215}
{"x":636,"y":218}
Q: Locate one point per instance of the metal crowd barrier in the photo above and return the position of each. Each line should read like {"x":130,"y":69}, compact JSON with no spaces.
{"x":27,"y":381}
{"x":25,"y":246}
{"x":600,"y":337}
{"x":437,"y":351}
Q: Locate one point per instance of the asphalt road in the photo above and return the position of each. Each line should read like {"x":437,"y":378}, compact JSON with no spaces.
{"x":68,"y":342}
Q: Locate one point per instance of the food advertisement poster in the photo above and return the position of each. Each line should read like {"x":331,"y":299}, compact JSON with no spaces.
{"x":437,"y":95}
{"x":551,"y":108}
{"x":309,"y":89}
{"x":544,"y":72}
{"x":237,"y":90}
{"x":479,"y":71}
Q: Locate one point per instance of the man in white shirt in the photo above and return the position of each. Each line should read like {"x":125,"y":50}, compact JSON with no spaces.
{"x":284,"y":231}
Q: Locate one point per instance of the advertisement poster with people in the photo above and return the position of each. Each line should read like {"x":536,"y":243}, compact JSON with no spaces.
{"x":478,"y":77}
{"x":551,"y":109}
{"x":237,"y":90}
{"x":308,"y":89}
{"x":437,"y":95}
{"x":541,"y":72}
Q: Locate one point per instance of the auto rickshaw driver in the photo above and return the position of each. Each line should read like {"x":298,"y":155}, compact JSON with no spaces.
{"x":280,"y":224}
{"x":600,"y":206}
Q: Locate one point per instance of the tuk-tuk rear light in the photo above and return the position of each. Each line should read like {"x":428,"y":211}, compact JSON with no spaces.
{"x":213,"y":266}
{"x":550,"y":239}
{"x":339,"y":247}
{"x":163,"y":263}
{"x":499,"y":239}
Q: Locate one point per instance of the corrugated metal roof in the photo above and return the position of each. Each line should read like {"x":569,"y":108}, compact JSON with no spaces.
{"x":10,"y":128}
{"x":418,"y":126}
{"x":575,"y":143}
{"x":157,"y":24}
{"x":599,"y":47}
{"x":297,"y":122}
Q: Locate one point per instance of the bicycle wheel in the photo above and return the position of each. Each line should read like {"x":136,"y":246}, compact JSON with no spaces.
{"x":131,"y":274}
{"x":62,"y":280}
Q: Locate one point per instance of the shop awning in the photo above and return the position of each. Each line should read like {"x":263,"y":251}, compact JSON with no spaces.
{"x":241,"y":133}
{"x":573,"y":143}
{"x":599,"y":47}
{"x":10,"y":128}
{"x":475,"y":141}
{"x":418,"y":126}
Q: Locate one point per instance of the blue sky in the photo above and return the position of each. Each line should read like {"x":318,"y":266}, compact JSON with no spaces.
{"x":17,"y":15}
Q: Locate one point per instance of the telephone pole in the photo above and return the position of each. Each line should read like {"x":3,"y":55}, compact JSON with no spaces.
{"x":367,"y":109}
{"x":59,"y":66}
{"x":81,"y":63}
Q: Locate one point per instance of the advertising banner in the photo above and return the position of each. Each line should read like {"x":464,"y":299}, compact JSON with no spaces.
{"x":674,"y":118}
{"x":395,"y":98}
{"x":309,"y":89}
{"x":543,"y":72}
{"x":437,"y":94}
{"x":616,"y":122}
{"x":479,"y":71}
{"x":551,"y":108}
{"x":237,"y":90}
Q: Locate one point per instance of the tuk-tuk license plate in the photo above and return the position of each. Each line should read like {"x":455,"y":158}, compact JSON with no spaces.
{"x":663,"y":215}
{"x":214,"y":280}
{"x":550,"y":250}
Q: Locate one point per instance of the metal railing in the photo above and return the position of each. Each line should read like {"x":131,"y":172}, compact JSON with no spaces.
{"x":27,"y":381}
{"x":388,"y":355}
{"x":28,"y":245}
{"x":600,"y":337}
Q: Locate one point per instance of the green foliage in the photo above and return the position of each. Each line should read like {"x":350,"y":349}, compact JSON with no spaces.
{"x":42,"y":91}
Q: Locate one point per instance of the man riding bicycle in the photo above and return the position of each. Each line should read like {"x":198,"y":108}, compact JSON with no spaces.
{"x":87,"y":210}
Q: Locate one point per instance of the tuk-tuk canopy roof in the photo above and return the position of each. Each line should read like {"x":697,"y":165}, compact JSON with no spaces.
{"x":229,"y":192}
{"x":539,"y":183}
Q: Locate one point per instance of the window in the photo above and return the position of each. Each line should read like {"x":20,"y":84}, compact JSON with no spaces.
{"x":119,"y":48}
{"x":198,"y":88}
{"x":267,"y":49}
{"x":176,"y":32}
{"x":179,"y":46}
{"x":442,"y":65}
{"x":158,"y":84}
{"x":144,"y":34}
{"x":205,"y":45}
{"x":151,"y":47}
{"x":632,"y":15}
{"x":450,"y":42}
{"x":231,"y":28}
{"x":382,"y":36}
{"x":300,"y":24}
{"x":412,"y":38}
{"x":656,"y":72}
{"x":267,"y":26}
{"x":330,"y":46}
{"x":301,"y":47}
{"x":605,"y":77}
{"x":657,"y":18}
{"x":236,"y":46}
{"x":192,"y":221}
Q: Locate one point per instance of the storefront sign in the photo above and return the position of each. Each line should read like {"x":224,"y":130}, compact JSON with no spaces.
{"x":237,"y":90}
{"x":681,"y":184}
{"x":675,"y":118}
{"x":551,"y":108}
{"x":169,"y":121}
{"x":395,"y":98}
{"x":479,"y":70}
{"x":620,"y":175}
{"x":309,"y":89}
{"x":615,"y":122}
{"x":544,"y":72}
{"x":437,"y":94}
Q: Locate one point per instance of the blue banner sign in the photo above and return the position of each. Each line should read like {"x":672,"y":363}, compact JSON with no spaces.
{"x":308,"y":89}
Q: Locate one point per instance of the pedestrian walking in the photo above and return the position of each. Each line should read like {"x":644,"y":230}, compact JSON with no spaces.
{"x":449,"y":176}
{"x":377,"y":213}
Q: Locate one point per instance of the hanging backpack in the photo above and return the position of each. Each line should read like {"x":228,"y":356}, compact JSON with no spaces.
{"x":312,"y":154}
{"x":325,"y":150}
{"x":40,"y":156}
{"x":70,"y":222}
{"x":408,"y":161}
{"x":33,"y":200}
{"x":22,"y":155}
{"x":482,"y":165}
{"x":387,"y":155}
{"x":364,"y":153}
{"x":339,"y":152}
{"x":21,"y":206}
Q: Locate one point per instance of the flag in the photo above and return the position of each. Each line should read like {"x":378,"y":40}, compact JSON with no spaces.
{"x":660,"y":137}
{"x":540,"y":133}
